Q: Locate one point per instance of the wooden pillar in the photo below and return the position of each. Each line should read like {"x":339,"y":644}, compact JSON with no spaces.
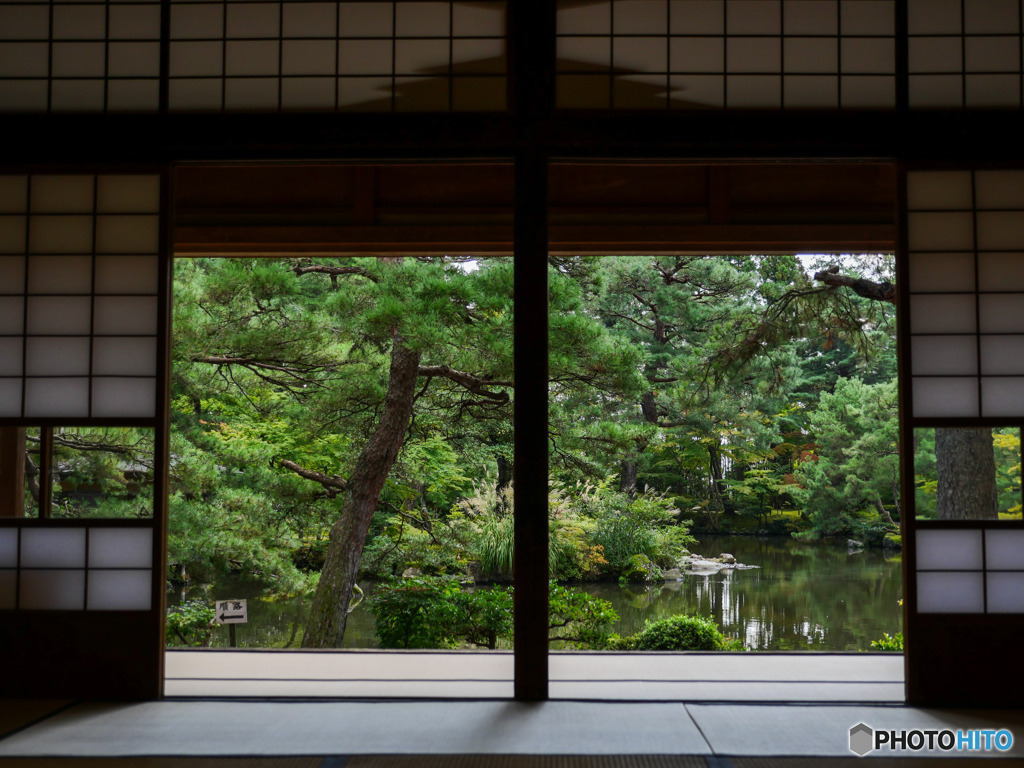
{"x":12,"y":472}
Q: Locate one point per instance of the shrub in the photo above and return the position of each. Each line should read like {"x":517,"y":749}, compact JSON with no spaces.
{"x":190,"y":623}
{"x":416,"y":613}
{"x":578,"y":620}
{"x":894,"y":643}
{"x":677,"y":633}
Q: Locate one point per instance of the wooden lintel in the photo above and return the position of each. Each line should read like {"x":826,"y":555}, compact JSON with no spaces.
{"x":719,"y":194}
{"x":611,"y":238}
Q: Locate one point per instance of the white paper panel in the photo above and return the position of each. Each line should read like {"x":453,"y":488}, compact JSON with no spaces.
{"x":427,"y":19}
{"x":944,"y":355}
{"x":945,"y":397}
{"x":949,"y":313}
{"x":364,"y":57}
{"x":12,"y":234}
{"x":934,"y":17}
{"x":1004,"y":550}
{"x":13,"y":194}
{"x":56,"y":356}
{"x":57,"y":397}
{"x":950,"y":593}
{"x":470,"y":20}
{"x":947,"y":231}
{"x":120,"y":548}
{"x":62,"y":194}
{"x":1001,"y":271}
{"x":12,"y":274}
{"x":308,"y":57}
{"x":196,"y":21}
{"x":125,"y":398}
{"x":126,"y":274}
{"x":188,"y":59}
{"x":134,"y":21}
{"x":1001,"y":312}
{"x":754,"y":91}
{"x":868,"y":17}
{"x":10,"y":356}
{"x":1002,"y":396}
{"x":936,"y":91}
{"x":698,"y":17}
{"x":8,"y":547}
{"x":1005,"y":592}
{"x":133,"y":59}
{"x":79,"y":60}
{"x":60,"y":274}
{"x":12,"y":314}
{"x":23,"y":95}
{"x":754,"y":55}
{"x":939,"y":190}
{"x":308,"y":93}
{"x":250,"y":94}
{"x":991,"y":16}
{"x":812,"y":92}
{"x":53,"y":547}
{"x":309,"y":19}
{"x":935,"y":54}
{"x":999,"y":189}
{"x":8,"y":589}
{"x":133,"y":96}
{"x":52,"y":590}
{"x":127,"y":234}
{"x":25,"y":59}
{"x":811,"y":17}
{"x":60,"y":234}
{"x":255,"y":57}
{"x":641,"y":17}
{"x":121,"y":315}
{"x":993,"y":54}
{"x":366,"y":19}
{"x":124,"y":356}
{"x":948,"y":550}
{"x":686,"y":54}
{"x":868,"y":55}
{"x":631,"y":53}
{"x":58,"y":315}
{"x":10,"y":397}
{"x":1001,"y":230}
{"x":811,"y":55}
{"x":753,"y":17}
{"x":256,"y":20}
{"x":950,"y":272}
{"x":355,"y":91}
{"x":79,"y":21}
{"x":987,"y":91}
{"x":120,"y":590}
{"x":195,"y":94}
{"x":1002,"y":355}
{"x":24,"y":22}
{"x":128,"y":194}
{"x":76,"y":95}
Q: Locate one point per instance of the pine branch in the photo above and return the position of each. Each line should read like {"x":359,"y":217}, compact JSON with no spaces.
{"x":334,"y":484}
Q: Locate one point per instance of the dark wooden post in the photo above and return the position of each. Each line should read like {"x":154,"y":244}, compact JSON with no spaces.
{"x":12,"y":472}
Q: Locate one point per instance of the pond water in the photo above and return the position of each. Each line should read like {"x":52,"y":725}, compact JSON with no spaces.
{"x":802,"y":596}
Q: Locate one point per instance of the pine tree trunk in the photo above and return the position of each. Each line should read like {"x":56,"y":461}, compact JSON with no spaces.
{"x":627,"y":476}
{"x":966,"y":469}
{"x":329,"y":612}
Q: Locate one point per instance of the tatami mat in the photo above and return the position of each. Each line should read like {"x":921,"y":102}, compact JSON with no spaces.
{"x":15,"y":714}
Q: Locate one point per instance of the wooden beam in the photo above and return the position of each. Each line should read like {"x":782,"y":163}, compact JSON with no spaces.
{"x":12,"y":472}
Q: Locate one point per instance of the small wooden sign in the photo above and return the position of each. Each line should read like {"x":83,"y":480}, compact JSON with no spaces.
{"x":231,"y":612}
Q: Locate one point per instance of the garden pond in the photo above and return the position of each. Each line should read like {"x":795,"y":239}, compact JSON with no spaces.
{"x":801,"y":596}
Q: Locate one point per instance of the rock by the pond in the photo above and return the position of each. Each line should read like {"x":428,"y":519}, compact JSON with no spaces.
{"x":726,"y":558}
{"x":412,"y":573}
{"x":709,"y":565}
{"x":854,"y":544}
{"x":672,"y":574}
{"x":640,"y":570}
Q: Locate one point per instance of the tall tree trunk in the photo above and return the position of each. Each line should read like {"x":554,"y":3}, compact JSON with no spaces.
{"x":718,"y":486}
{"x":627,"y":476}
{"x":966,"y":468}
{"x":329,"y":612}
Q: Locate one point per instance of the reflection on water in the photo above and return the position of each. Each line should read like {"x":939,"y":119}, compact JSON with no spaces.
{"x":805,"y":596}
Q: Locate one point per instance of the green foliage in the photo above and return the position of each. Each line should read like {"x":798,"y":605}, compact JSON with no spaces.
{"x":190,"y":624}
{"x":677,"y":633}
{"x":578,"y":620}
{"x":416,"y":613}
{"x":887,"y":643}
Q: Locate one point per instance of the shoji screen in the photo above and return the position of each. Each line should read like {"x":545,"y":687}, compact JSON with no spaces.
{"x":361,"y":56}
{"x":90,"y":56}
{"x":699,"y":54}
{"x":83,"y":283}
{"x":965,"y":53}
{"x":964,"y":354}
